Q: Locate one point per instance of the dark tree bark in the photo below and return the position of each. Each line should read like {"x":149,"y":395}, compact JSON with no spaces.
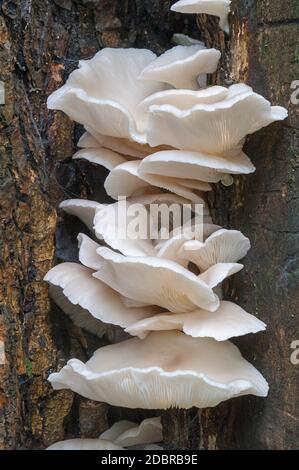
{"x":41,"y":42}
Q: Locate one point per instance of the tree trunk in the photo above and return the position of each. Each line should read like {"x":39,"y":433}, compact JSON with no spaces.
{"x":41,"y":42}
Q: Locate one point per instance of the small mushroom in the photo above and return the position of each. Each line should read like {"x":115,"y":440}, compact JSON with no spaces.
{"x":127,"y":434}
{"x":184,"y":40}
{"x":81,"y":208}
{"x":182,"y":65}
{"x":222,"y":246}
{"x":166,"y":369}
{"x":220,"y":8}
{"x":217,"y":273}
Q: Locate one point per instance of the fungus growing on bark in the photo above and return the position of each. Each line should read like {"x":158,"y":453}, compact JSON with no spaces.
{"x":181,"y":66}
{"x":220,"y":8}
{"x":160,"y":144}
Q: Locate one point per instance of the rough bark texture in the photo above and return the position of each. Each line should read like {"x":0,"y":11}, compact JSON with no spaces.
{"x":40,"y":43}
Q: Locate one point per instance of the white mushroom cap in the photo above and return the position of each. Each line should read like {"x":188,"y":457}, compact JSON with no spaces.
{"x":93,"y":139}
{"x":184,"y":40}
{"x":103,"y":303}
{"x":217,"y":273}
{"x":88,"y":141}
{"x":126,"y":180}
{"x":85,"y":444}
{"x":180,"y":164}
{"x":228,"y":321}
{"x":185,"y":99}
{"x":164,"y":282}
{"x":216,"y":128}
{"x":126,"y":433}
{"x":170,"y":248}
{"x":191,"y":230}
{"x":159,"y":198}
{"x":111,"y":224}
{"x":195,"y":165}
{"x":222,"y":246}
{"x":82,"y":317}
{"x":88,"y":255}
{"x":104,"y":92}
{"x":122,"y":434}
{"x":81,"y":208}
{"x":166,"y":369}
{"x":182,"y":65}
{"x":220,"y":8}
{"x":100,"y":156}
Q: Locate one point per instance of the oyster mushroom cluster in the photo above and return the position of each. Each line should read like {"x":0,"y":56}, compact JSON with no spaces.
{"x":122,"y":435}
{"x":165,"y":138}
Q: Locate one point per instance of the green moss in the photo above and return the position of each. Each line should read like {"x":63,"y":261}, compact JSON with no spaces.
{"x":28,"y":365}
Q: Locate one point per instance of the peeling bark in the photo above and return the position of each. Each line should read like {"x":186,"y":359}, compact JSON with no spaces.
{"x":40,"y":44}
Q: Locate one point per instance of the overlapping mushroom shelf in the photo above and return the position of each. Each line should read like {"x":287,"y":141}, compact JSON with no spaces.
{"x":122,"y":435}
{"x":165,"y":140}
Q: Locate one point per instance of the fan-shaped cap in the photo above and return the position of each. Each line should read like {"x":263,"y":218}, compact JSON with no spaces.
{"x":85,"y":444}
{"x":153,"y":197}
{"x":182,"y":65}
{"x":195,"y":165}
{"x":81,"y":208}
{"x":184,"y":99}
{"x":220,"y":8}
{"x":164,"y":282}
{"x":126,"y":180}
{"x":80,"y":288}
{"x":180,"y":164}
{"x":88,"y":255}
{"x":170,"y":248}
{"x":228,"y":321}
{"x":100,"y":156}
{"x":88,"y":141}
{"x":104,"y":92}
{"x":82,"y":317}
{"x":122,"y":434}
{"x":185,"y":40}
{"x":166,"y":369}
{"x":126,"y":433}
{"x":217,"y":273}
{"x":124,"y":147}
{"x":218,"y":128}
{"x":112,"y":223}
{"x":222,"y":246}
